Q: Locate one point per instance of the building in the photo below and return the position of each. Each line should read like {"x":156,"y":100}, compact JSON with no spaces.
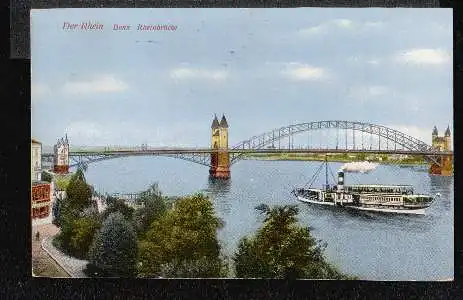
{"x":220,"y":161}
{"x":36,"y":160}
{"x":41,"y":199}
{"x":442,"y":143}
{"x":61,"y":157}
{"x":41,"y":191}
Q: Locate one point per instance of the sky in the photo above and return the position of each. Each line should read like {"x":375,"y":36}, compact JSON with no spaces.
{"x":263,"y":68}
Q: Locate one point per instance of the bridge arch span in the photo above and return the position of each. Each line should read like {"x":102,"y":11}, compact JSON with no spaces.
{"x":268,"y":138}
{"x":85,"y":160}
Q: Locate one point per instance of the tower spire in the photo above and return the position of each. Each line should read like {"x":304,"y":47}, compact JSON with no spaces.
{"x":223,"y":122}
{"x":215,"y":122}
{"x":447,"y":131}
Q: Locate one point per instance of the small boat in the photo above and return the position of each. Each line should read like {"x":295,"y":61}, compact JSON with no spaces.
{"x":367,"y":197}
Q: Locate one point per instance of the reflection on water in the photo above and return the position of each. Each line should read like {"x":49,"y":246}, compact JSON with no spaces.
{"x":217,"y":189}
{"x":370,"y":245}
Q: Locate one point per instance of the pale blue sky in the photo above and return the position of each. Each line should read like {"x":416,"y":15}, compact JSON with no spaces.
{"x":263,"y":68}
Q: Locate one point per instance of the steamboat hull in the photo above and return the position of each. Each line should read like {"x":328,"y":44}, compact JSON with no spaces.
{"x":396,"y":210}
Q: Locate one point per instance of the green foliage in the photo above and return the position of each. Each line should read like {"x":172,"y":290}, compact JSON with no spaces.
{"x":47,"y":176}
{"x":78,"y":192}
{"x":155,"y":206}
{"x":183,"y":242}
{"x":61,"y":182}
{"x":78,"y":236}
{"x":282,"y":249}
{"x":114,"y":250}
{"x":57,"y":211}
{"x":118,"y":205}
{"x":362,"y":156}
{"x":73,"y":215}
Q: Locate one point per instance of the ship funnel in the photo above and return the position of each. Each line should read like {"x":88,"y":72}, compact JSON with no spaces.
{"x":340,"y":185}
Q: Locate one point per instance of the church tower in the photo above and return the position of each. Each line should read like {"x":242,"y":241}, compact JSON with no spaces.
{"x":445,"y":163}
{"x":61,"y":157}
{"x":448,"y":140}
{"x":220,"y":159}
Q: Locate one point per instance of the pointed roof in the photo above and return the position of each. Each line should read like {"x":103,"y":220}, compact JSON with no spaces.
{"x":223,"y":122}
{"x":215,"y":122}
{"x":434,"y":131}
{"x":447,"y":131}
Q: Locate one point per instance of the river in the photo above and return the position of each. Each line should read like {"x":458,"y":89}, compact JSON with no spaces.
{"x":369,"y":245}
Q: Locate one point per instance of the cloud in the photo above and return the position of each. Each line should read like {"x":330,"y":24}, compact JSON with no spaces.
{"x":197,"y":73}
{"x":424,"y":56}
{"x":357,"y":59}
{"x":83,"y":131}
{"x":90,"y":133}
{"x":303,"y":72}
{"x":373,"y":62}
{"x":373,"y":24}
{"x":102,"y":84}
{"x":344,"y":24}
{"x":367,"y":93}
{"x":39,"y":90}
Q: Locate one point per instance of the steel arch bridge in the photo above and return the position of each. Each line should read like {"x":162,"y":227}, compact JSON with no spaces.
{"x":261,"y":143}
{"x":398,"y":138}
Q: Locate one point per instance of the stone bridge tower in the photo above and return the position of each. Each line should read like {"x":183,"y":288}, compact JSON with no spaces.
{"x":61,"y":157}
{"x":445,"y":166}
{"x":220,"y":160}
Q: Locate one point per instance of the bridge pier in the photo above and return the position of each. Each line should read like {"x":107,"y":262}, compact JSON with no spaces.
{"x":444,"y":166}
{"x":219,"y":172}
{"x":220,"y":160}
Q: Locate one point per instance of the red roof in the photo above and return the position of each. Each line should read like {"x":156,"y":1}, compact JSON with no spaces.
{"x":36,"y":142}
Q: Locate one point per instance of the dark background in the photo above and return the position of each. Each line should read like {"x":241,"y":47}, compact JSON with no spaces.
{"x":16,"y":279}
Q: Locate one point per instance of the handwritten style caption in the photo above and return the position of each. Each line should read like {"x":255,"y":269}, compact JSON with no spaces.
{"x":96,"y":26}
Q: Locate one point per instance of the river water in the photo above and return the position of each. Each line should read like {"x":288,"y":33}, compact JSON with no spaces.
{"x":370,"y":245}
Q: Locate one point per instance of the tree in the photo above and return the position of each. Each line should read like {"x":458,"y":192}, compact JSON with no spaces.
{"x":74,"y":216}
{"x":83,"y":232}
{"x":114,"y":249}
{"x":155,"y":206}
{"x":56,"y":211}
{"x":282,"y":249}
{"x":78,"y":192}
{"x":362,"y":156}
{"x":118,"y":205}
{"x":183,"y":242}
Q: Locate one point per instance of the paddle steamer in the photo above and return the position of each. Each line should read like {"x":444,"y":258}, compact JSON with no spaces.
{"x":368,"y":197}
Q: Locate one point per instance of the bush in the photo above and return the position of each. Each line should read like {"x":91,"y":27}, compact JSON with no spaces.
{"x":118,"y":205}
{"x":83,"y":232}
{"x":114,"y":250}
{"x":154,"y":207}
{"x":282,"y":249}
{"x":183,"y":242}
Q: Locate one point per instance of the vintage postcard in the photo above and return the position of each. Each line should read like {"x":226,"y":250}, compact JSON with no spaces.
{"x":307,"y":143}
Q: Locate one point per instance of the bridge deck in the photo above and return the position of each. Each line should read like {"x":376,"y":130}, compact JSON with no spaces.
{"x":251,"y":151}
